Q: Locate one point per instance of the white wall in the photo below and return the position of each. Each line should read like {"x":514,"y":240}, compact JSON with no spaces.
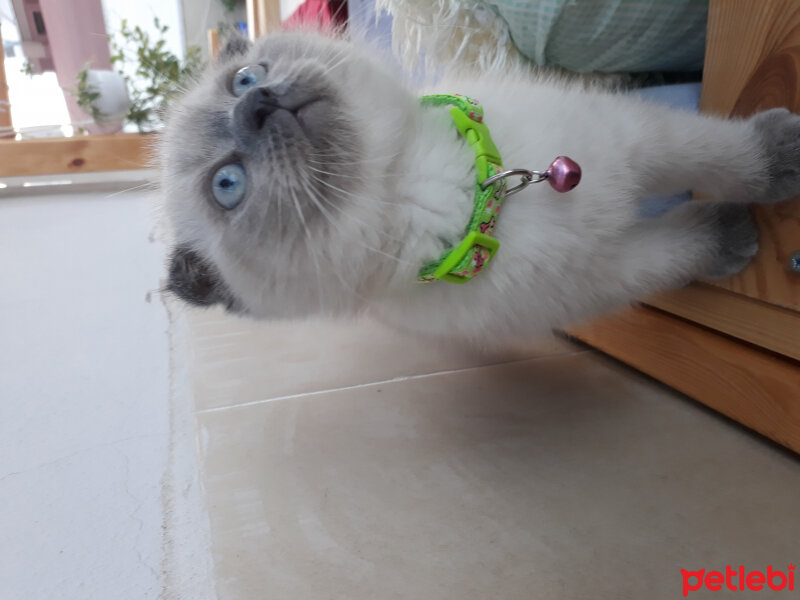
{"x":98,"y":487}
{"x":142,"y":12}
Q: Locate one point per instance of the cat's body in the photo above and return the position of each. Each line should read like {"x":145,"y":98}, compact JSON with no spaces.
{"x":353,"y":186}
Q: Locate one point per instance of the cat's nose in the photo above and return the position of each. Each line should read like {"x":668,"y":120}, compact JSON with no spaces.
{"x":254,"y":108}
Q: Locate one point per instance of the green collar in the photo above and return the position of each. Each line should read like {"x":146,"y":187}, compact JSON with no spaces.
{"x":465,"y":260}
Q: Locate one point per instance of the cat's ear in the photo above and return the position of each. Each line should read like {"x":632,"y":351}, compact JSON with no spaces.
{"x":196,"y":281}
{"x":235,"y":45}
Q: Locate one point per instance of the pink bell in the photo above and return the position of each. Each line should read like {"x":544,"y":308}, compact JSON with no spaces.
{"x":563,"y":174}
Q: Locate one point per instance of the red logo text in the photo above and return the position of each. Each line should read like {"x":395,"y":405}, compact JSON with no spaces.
{"x":738,"y":579}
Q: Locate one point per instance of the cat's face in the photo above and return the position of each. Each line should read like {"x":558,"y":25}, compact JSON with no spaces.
{"x":266,"y":168}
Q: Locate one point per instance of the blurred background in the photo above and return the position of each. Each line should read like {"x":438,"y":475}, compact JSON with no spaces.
{"x":47,"y":43}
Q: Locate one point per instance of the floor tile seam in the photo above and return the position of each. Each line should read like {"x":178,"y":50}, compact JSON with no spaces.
{"x":392,"y":380}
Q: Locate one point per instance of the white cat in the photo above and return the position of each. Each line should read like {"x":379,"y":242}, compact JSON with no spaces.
{"x":302,"y":176}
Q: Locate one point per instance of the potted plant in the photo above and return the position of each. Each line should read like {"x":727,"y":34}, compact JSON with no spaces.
{"x":147,"y":76}
{"x":104,"y":95}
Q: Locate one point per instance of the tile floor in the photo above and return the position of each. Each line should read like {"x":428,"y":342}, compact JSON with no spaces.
{"x":346,"y":461}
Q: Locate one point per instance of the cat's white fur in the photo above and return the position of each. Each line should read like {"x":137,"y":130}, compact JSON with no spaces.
{"x":406,"y":194}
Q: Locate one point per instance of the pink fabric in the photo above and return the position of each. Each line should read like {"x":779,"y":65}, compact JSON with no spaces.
{"x":77,"y":34}
{"x":31,"y":7}
{"x":320,"y":14}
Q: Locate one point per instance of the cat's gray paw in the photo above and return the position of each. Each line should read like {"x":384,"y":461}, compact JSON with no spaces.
{"x":737,"y":240}
{"x":779,"y":132}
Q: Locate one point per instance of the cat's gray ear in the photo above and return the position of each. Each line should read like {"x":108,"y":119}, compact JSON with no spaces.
{"x":235,"y":45}
{"x":196,"y":281}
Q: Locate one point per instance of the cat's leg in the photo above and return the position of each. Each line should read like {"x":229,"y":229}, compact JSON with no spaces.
{"x":753,"y":160}
{"x":694,"y":241}
{"x":733,"y":242}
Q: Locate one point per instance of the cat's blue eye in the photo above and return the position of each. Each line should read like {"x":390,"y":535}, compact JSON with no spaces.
{"x":248,"y":77}
{"x":229,"y":186}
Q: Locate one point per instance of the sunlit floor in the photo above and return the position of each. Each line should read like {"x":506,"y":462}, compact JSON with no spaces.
{"x":203,"y":456}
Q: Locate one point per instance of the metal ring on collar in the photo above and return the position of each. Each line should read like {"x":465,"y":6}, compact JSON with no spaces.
{"x":526,"y":178}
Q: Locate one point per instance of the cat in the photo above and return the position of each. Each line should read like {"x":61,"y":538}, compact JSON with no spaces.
{"x":302,"y":176}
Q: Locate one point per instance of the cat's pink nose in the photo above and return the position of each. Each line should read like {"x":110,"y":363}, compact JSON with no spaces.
{"x":563,"y":174}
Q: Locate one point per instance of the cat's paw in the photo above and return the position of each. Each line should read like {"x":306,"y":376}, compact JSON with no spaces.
{"x":736,"y":240}
{"x":779,"y":133}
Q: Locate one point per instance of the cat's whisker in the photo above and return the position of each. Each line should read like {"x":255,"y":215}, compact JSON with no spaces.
{"x":345,"y":285}
{"x":356,"y":177}
{"x":336,"y":65}
{"x":369,"y":248}
{"x":313,"y":197}
{"x":280,"y":220}
{"x":336,"y":154}
{"x":339,"y":56}
{"x":309,"y":247}
{"x":239,"y":260}
{"x":318,"y":199}
{"x":344,"y":194}
{"x":369,"y":160}
{"x":144,"y":185}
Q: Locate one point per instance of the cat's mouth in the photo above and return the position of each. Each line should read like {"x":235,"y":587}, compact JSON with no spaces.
{"x":306,"y":121}
{"x":310,"y":116}
{"x":294,"y":113}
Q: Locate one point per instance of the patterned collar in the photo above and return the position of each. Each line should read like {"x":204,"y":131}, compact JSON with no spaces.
{"x":465,"y":260}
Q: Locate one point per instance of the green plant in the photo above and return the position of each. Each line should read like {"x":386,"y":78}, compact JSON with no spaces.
{"x":27,"y":69}
{"x":152,"y":74}
{"x":230,"y":5}
{"x":157,"y":74}
{"x":87,"y":95}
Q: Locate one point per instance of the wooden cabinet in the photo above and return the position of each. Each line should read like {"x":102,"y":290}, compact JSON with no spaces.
{"x":753,"y":64}
{"x":734,"y":345}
